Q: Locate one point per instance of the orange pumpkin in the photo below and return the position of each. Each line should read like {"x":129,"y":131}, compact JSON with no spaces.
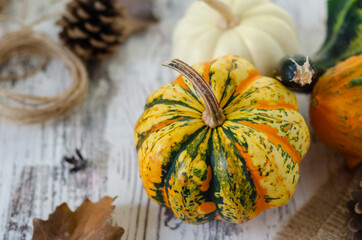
{"x":336,"y":109}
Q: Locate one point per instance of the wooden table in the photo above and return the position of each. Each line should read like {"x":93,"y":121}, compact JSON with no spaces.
{"x":33,"y":181}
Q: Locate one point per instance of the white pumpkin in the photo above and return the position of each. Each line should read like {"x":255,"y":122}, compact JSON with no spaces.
{"x":256,"y":30}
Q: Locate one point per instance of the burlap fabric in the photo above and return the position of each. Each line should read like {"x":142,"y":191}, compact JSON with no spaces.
{"x":324,"y":216}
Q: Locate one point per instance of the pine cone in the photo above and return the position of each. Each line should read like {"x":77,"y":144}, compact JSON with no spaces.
{"x":355,"y":208}
{"x":93,"y":29}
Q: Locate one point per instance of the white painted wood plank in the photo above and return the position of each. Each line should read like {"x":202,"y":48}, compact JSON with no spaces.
{"x":103,"y":129}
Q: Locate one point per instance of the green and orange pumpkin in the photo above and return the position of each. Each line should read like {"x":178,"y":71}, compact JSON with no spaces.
{"x":343,"y":40}
{"x":221,"y":142}
{"x":336,"y":108}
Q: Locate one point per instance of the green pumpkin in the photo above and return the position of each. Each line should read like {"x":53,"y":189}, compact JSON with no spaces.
{"x":296,"y":72}
{"x":343,"y":40}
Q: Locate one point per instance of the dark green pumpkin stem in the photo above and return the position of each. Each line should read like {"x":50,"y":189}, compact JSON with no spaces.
{"x":213,"y":116}
{"x":297,"y":72}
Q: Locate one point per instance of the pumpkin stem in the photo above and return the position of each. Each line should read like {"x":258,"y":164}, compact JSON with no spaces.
{"x":213,"y":116}
{"x":229,"y":19}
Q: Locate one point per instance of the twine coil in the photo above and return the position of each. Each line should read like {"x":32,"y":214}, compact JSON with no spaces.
{"x":38,"y":109}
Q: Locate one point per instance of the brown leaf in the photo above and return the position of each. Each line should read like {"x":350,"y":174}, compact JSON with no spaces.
{"x":87,"y":222}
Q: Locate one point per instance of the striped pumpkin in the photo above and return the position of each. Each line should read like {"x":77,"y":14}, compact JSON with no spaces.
{"x":336,"y":109}
{"x":221,"y":142}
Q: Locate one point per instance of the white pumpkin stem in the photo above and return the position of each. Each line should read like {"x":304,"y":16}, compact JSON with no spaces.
{"x":213,"y":116}
{"x":229,"y":19}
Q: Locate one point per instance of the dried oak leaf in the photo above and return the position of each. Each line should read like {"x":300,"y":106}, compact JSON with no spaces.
{"x":88,"y":222}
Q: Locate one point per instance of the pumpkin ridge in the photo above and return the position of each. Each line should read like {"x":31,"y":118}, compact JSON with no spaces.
{"x":224,"y":93}
{"x":263,"y":114}
{"x":241,"y":37}
{"x":249,"y":9}
{"x":214,"y":83}
{"x":274,"y":138}
{"x":144,"y":135}
{"x":344,"y":81}
{"x":261,"y":193}
{"x":277,"y":172}
{"x":250,"y":91}
{"x":286,"y":121}
{"x":206,"y":67}
{"x":212,"y":188}
{"x":252,"y":76}
{"x":260,"y":201}
{"x":229,"y":206}
{"x":323,"y":110}
{"x":214,"y":181}
{"x":174,"y":156}
{"x":159,"y":187}
{"x":217,"y":40}
{"x":244,"y":95}
{"x":162,"y":101}
{"x":270,"y":37}
{"x":266,"y":106}
{"x":281,"y":14}
{"x":339,"y":78}
{"x":280,"y":20}
{"x":171,"y":102}
{"x":172,"y":180}
{"x":181,"y":82}
{"x":193,"y":92}
{"x":189,"y":93}
{"x":184,"y":145}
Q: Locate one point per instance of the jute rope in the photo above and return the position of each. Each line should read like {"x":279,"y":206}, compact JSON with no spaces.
{"x":324,"y":216}
{"x":37,"y":109}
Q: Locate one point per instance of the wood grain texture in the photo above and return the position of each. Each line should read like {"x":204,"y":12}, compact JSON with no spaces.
{"x":33,"y":181}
